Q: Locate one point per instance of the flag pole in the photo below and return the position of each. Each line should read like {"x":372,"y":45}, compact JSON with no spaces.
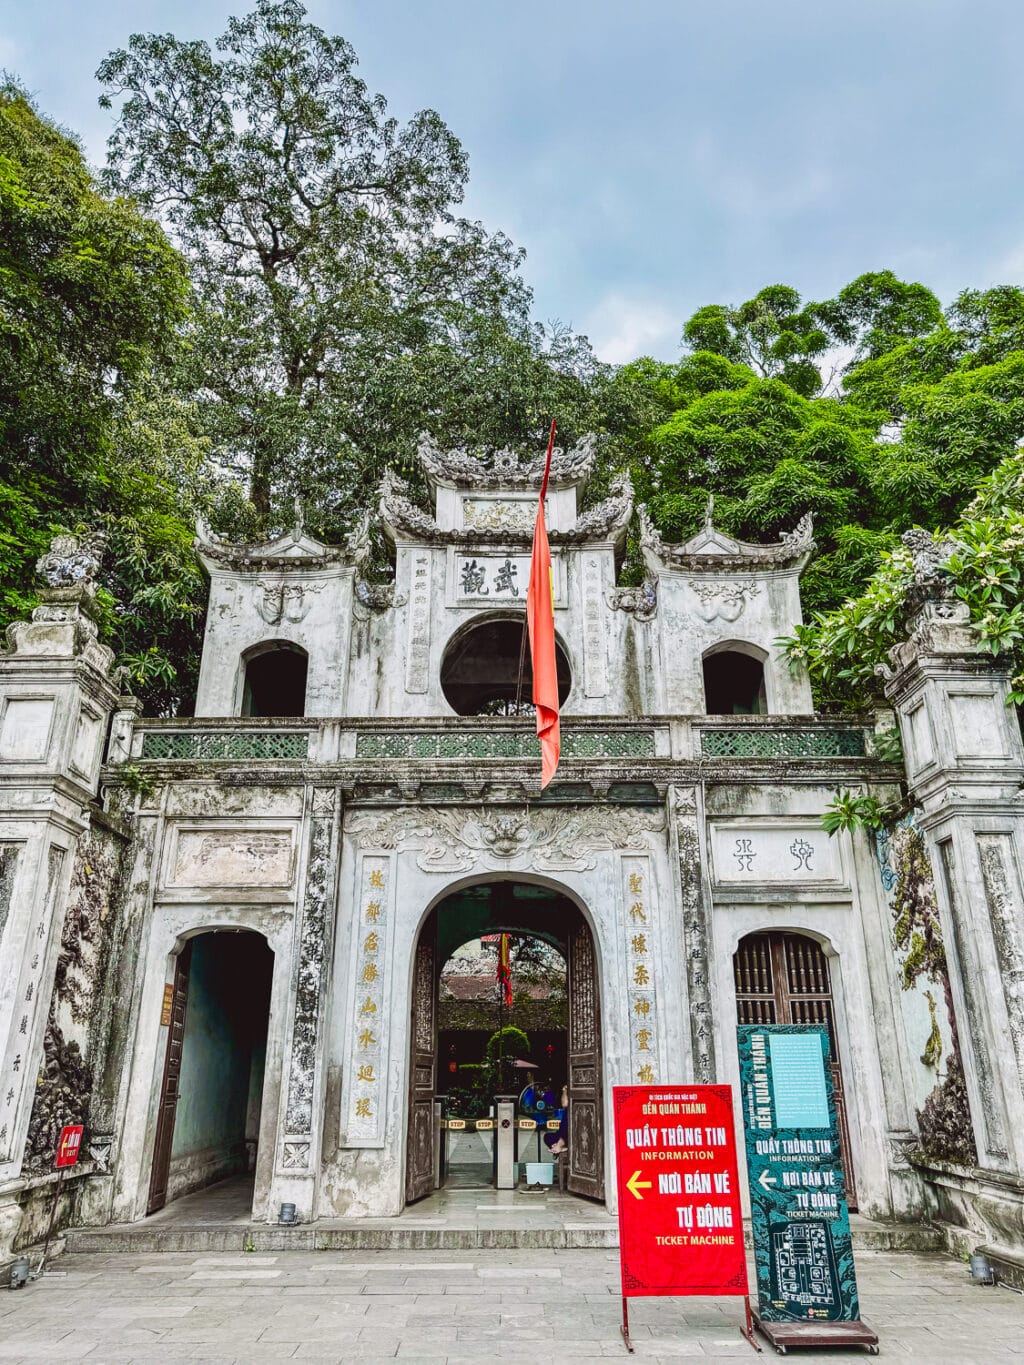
{"x":543,"y":496}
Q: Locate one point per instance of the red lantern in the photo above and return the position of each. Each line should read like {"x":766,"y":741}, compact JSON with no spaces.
{"x":453,"y":1067}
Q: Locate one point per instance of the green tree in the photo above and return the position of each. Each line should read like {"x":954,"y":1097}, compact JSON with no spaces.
{"x":843,"y":648}
{"x":344,"y":305}
{"x":772,"y":333}
{"x":876,"y":313}
{"x":91,"y":299}
{"x":769,"y":456}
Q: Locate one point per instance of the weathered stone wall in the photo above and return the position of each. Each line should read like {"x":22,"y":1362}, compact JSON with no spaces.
{"x":79,"y":1017}
{"x":934,"y":1060}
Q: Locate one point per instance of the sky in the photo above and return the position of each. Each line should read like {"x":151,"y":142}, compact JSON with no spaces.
{"x":653,"y":156}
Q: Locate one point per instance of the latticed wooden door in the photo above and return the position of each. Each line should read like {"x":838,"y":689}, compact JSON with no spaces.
{"x":419,"y":1167}
{"x":785,"y":979}
{"x":586,"y":1136}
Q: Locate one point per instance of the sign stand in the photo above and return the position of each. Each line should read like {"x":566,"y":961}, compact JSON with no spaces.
{"x":749,"y":1323}
{"x":782,"y":1335}
{"x":803,"y":1251}
{"x":680,"y":1221}
{"x":746,"y":1331}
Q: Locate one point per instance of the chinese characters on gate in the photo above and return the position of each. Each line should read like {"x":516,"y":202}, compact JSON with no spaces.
{"x":640,"y":970}
{"x":369,"y":1003}
{"x":483,"y":577}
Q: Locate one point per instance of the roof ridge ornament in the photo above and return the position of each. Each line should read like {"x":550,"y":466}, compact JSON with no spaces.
{"x":507,"y":467}
{"x":712,"y":550}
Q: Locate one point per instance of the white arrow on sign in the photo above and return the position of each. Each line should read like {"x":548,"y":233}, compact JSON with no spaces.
{"x":766,"y":1181}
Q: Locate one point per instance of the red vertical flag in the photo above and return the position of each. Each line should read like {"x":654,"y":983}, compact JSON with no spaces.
{"x":540,"y":617}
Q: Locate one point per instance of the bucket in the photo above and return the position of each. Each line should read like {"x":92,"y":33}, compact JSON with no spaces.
{"x":287,"y":1214}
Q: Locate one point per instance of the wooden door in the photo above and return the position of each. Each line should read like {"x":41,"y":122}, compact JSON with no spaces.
{"x":784,"y":979}
{"x":169,"y":1085}
{"x":586,"y":1113}
{"x":419,"y":1167}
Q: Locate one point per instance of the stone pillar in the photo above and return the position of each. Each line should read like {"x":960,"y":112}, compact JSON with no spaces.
{"x":687,"y":825}
{"x":965,"y":765}
{"x":297,"y":1160}
{"x":57,"y":690}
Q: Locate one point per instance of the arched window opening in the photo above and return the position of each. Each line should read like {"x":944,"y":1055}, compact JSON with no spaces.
{"x":275,"y":682}
{"x":734,"y":684}
{"x":480,"y":671}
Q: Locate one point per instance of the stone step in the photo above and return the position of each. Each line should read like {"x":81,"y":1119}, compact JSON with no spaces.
{"x":402,"y":1235}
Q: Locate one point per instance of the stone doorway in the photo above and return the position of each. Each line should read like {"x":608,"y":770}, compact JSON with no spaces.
{"x":526,"y":911}
{"x":785,"y":979}
{"x":211,"y":1089}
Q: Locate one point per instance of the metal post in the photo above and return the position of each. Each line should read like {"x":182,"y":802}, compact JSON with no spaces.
{"x":53,"y":1222}
{"x":624,"y":1329}
{"x":747,"y":1330}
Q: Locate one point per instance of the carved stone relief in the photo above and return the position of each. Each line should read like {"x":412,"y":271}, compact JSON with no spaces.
{"x":641,"y":601}
{"x":8,"y":867}
{"x":1007,"y":921}
{"x":317,"y":902}
{"x":993,"y":1130}
{"x":558,"y":839}
{"x":696,"y":933}
{"x":283,"y":601}
{"x":229,"y":858}
{"x":497,"y":514}
{"x":18,"y":1076}
{"x":722,"y":599}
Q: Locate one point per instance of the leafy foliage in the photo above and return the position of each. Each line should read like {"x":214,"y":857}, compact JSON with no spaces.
{"x":91,"y":299}
{"x":843,"y":648}
{"x":344,"y":305}
{"x":849,"y":811}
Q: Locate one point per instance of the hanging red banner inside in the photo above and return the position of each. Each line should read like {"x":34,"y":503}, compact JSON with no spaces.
{"x":680,"y":1221}
{"x":69,"y":1145}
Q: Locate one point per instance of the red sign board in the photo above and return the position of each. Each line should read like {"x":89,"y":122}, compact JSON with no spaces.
{"x":68,"y":1146}
{"x":680,"y":1222}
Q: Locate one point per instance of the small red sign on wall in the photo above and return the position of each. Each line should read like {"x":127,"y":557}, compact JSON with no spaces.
{"x":69,"y":1145}
{"x":680,"y":1221}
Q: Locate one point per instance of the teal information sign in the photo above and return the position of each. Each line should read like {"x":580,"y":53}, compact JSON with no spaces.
{"x":801,"y":1225}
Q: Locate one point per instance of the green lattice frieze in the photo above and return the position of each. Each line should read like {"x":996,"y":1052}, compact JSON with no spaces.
{"x":750,"y":741}
{"x":230,"y":745}
{"x":455,"y":744}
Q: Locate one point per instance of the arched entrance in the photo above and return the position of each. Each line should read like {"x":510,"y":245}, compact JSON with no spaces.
{"x":784,"y":978}
{"x":217,"y":1017}
{"x":519,"y":908}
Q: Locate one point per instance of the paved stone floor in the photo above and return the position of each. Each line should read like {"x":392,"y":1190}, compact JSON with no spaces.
{"x":532,"y":1306}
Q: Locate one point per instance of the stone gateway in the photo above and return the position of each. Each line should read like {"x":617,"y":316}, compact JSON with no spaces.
{"x":222,"y":937}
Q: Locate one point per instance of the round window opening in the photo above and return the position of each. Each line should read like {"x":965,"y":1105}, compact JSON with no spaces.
{"x":480,"y":671}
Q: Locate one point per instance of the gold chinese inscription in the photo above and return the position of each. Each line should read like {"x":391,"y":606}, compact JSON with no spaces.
{"x":640,"y":909}
{"x":365,"y":1058}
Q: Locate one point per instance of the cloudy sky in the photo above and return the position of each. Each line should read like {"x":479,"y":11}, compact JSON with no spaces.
{"x":656,"y":155}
